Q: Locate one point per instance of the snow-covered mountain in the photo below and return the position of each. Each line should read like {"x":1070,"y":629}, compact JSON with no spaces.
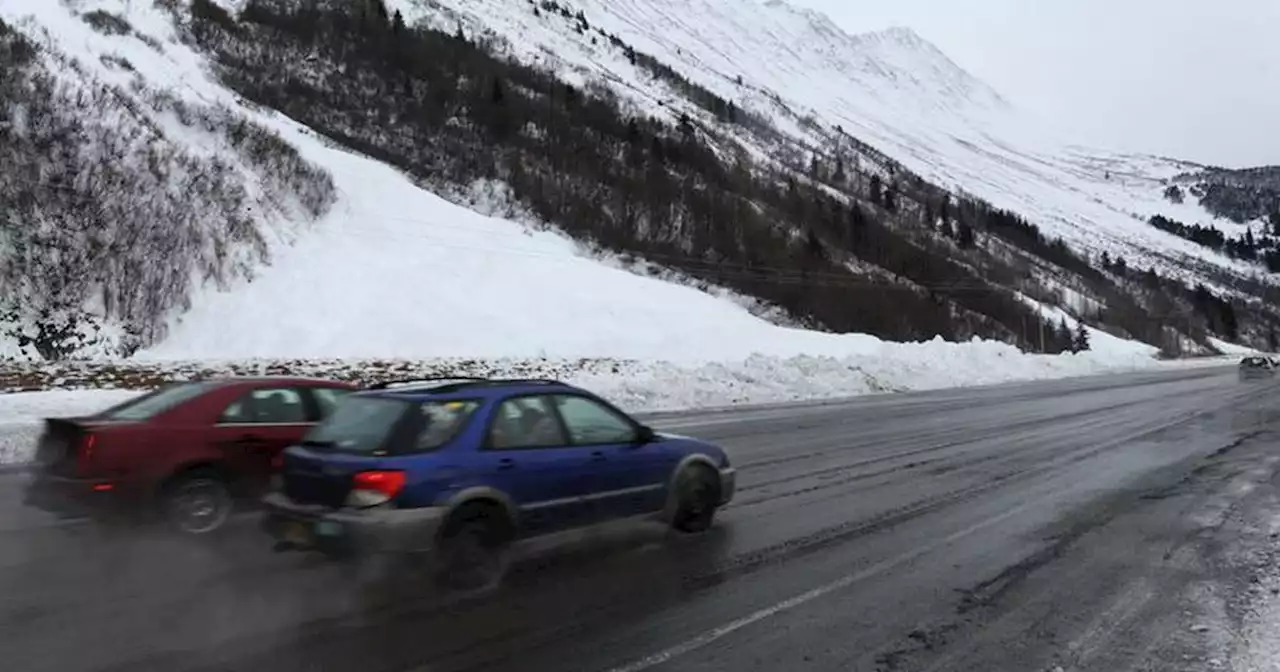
{"x":891,"y":89}
{"x":159,"y":208}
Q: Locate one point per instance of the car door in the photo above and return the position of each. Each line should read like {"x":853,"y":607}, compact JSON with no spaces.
{"x":252,"y":430}
{"x":626,"y":477}
{"x":527,"y":456}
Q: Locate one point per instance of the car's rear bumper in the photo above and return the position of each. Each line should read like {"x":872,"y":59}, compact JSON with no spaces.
{"x":728,"y":485}
{"x":68,"y":497}
{"x":344,"y":532}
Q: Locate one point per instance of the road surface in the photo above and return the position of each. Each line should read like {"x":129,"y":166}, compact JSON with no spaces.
{"x":1082,"y":524}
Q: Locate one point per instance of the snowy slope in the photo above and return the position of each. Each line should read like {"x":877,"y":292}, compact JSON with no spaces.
{"x":891,"y":89}
{"x":394,"y":271}
{"x":397,"y":271}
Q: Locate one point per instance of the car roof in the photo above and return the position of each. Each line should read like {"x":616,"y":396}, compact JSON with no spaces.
{"x":218,"y":381}
{"x":469,"y":388}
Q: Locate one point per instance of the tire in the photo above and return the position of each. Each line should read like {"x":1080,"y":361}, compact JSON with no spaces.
{"x":697,"y":495}
{"x":473,"y":548}
{"x":197,"y":502}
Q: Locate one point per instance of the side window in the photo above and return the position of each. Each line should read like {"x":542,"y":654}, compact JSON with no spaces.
{"x":276,"y":406}
{"x":327,"y":399}
{"x":442,"y":421}
{"x":525,"y":422}
{"x":590,"y":422}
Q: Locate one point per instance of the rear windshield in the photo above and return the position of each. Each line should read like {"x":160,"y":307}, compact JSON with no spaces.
{"x":157,"y":401}
{"x":367,"y":424}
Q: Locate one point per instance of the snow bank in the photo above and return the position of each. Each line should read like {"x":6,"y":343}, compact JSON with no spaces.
{"x":653,"y":386}
{"x":1232,"y":349}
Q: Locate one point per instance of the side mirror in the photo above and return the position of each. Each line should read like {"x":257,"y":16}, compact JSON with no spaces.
{"x":646,"y":435}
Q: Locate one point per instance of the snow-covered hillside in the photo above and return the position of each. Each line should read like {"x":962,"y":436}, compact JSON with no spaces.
{"x":392,"y":270}
{"x":891,"y":89}
{"x":350,"y":258}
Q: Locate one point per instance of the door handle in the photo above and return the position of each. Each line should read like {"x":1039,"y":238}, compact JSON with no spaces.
{"x":506,"y":463}
{"x":597,"y":456}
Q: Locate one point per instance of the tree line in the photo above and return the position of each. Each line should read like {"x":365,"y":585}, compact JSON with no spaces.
{"x":1246,"y":246}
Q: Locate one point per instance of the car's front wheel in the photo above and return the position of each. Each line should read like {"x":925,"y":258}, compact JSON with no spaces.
{"x":197,"y":502}
{"x":697,"y":495}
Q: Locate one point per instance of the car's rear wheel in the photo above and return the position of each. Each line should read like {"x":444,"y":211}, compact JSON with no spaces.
{"x":473,"y":548}
{"x":197,"y":502}
{"x":697,"y":493}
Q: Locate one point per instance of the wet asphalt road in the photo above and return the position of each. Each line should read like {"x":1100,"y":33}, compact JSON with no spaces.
{"x":1006,"y":528}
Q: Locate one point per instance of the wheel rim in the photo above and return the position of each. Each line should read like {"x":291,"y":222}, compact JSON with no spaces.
{"x":199,"y":506}
{"x":697,"y":500}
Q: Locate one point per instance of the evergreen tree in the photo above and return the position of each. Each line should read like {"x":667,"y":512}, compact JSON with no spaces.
{"x":1081,"y":341}
{"x":877,"y":191}
{"x":965,"y":237}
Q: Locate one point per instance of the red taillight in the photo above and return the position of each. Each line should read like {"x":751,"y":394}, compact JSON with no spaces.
{"x":84,"y":455}
{"x":277,"y":462}
{"x":387,"y":483}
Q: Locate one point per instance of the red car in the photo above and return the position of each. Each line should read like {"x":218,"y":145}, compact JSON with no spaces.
{"x":191,"y":451}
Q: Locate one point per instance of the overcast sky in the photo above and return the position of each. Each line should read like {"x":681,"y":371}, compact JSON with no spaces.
{"x":1185,"y":78}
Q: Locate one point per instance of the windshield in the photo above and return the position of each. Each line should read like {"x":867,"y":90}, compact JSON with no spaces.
{"x":365,"y":424}
{"x":158,"y":401}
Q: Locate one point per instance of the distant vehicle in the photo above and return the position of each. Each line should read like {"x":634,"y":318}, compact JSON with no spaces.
{"x":461,"y":470}
{"x":1252,"y":368}
{"x":191,"y":451}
